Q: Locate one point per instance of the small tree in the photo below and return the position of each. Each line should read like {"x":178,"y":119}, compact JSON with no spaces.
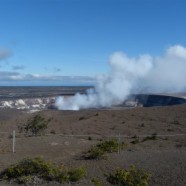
{"x":36,"y":126}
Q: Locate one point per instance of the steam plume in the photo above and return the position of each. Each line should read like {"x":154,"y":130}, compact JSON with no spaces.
{"x":133,"y":75}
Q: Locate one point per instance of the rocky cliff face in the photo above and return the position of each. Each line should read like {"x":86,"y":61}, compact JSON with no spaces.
{"x":32,"y":104}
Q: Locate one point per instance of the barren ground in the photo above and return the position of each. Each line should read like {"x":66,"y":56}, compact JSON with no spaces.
{"x":68,"y":136}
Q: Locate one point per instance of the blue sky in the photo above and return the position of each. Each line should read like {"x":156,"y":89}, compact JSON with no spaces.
{"x":68,"y":42}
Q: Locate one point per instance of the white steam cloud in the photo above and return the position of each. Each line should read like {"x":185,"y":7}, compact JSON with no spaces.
{"x":133,"y":75}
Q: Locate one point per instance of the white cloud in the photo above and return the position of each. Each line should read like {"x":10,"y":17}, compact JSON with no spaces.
{"x":166,"y":73}
{"x":4,"y":53}
{"x":169,"y":71}
{"x":133,"y":75}
{"x":176,"y":51}
{"x":15,"y":77}
{"x":18,"y":67}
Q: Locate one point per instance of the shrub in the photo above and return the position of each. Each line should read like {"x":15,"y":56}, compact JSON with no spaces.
{"x":26,"y":167}
{"x":61,"y":178}
{"x":24,"y":171}
{"x":52,"y":132}
{"x":95,"y":153}
{"x":97,"y":182}
{"x":132,"y":177}
{"x":36,"y":126}
{"x":152,"y":137}
{"x":24,"y":180}
{"x":135,"y":141}
{"x":82,"y":118}
{"x":99,"y":151}
{"x":142,"y":125}
{"x":109,"y":146}
{"x":176,"y":122}
{"x":89,"y":138}
{"x":77,"y":174}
